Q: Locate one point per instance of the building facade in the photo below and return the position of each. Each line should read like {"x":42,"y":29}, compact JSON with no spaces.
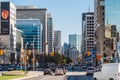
{"x":87,"y":32}
{"x":7,"y":25}
{"x":65,"y":49}
{"x":8,"y":30}
{"x":73,"y":55}
{"x":50,"y":33}
{"x":106,"y":13}
{"x":31,"y":32}
{"x":74,"y":41}
{"x":57,"y":41}
{"x":99,"y":21}
{"x":19,"y":44}
{"x":27,"y":12}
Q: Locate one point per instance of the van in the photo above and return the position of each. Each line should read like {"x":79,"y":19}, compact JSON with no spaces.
{"x":109,"y":71}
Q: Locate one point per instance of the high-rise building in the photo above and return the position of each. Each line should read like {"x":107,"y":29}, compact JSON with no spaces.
{"x":87,"y":32}
{"x":8,"y":28}
{"x":27,"y":12}
{"x":99,"y":21}
{"x":7,"y":25}
{"x":50,"y":33}
{"x":19,"y":44}
{"x":32,"y":33}
{"x":106,"y":13}
{"x":73,"y":55}
{"x":74,"y":41}
{"x":65,"y":49}
{"x":57,"y":41}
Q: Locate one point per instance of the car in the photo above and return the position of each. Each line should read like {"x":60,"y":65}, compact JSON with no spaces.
{"x":1,"y":68}
{"x":90,"y":70}
{"x":59,"y":71}
{"x":18,"y":67}
{"x":11,"y":67}
{"x":109,"y":71}
{"x":47,"y":71}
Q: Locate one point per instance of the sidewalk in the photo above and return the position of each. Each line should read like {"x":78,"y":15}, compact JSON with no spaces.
{"x":30,"y":74}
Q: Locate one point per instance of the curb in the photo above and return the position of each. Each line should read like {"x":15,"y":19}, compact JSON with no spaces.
{"x":66,"y":77}
{"x":27,"y":76}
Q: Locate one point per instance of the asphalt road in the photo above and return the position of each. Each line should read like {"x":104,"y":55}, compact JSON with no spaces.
{"x":79,"y":77}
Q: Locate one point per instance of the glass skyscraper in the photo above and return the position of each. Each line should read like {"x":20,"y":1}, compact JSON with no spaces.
{"x":74,"y":41}
{"x":112,"y":13}
{"x":32,"y":31}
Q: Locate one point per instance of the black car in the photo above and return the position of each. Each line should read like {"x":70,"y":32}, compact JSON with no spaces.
{"x":1,"y":68}
{"x":11,"y":67}
{"x":47,"y":71}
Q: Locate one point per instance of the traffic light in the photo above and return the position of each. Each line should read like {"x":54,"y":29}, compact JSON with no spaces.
{"x":33,"y":59}
{"x":1,"y":52}
{"x":88,"y":53}
{"x":98,"y":56}
{"x":52,"y":53}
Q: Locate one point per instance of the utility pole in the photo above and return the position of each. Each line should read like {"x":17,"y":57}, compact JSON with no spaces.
{"x":25,"y":54}
{"x":33,"y":56}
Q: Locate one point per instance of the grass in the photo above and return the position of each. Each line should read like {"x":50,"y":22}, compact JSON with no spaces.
{"x":9,"y":77}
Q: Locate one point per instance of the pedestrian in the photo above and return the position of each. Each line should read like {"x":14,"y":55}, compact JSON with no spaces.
{"x":72,"y":68}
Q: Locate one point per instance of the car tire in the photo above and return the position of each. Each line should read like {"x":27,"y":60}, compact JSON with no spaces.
{"x":95,"y":78}
{"x":111,"y":79}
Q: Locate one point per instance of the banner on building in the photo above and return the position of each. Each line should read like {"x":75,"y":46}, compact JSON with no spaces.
{"x":5,"y":18}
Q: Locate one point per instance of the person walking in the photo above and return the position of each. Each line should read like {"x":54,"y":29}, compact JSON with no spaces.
{"x":72,"y":68}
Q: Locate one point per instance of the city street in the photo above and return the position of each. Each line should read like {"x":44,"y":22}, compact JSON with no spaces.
{"x":68,"y":76}
{"x":80,"y":77}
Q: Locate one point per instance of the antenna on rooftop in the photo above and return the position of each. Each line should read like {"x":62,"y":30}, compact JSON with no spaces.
{"x":88,"y":9}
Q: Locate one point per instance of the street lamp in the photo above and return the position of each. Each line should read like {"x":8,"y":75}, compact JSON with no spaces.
{"x":33,"y":55}
{"x":25,"y":54}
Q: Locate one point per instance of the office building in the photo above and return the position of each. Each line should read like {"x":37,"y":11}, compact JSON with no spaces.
{"x":7,"y":25}
{"x":65,"y":49}
{"x":31,"y":32}
{"x":106,"y":13}
{"x":8,"y":30}
{"x":50,"y":33}
{"x":19,"y":40}
{"x":73,"y":55}
{"x":74,"y":41}
{"x":87,"y":32}
{"x":31,"y":12}
{"x":57,"y":41}
{"x":19,"y":45}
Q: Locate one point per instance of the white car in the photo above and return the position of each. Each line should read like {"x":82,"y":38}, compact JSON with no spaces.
{"x":59,"y":71}
{"x":90,"y":70}
{"x":110,"y":71}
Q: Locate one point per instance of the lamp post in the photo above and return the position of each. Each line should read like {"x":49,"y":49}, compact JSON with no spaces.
{"x":33,"y":55}
{"x":25,"y":54}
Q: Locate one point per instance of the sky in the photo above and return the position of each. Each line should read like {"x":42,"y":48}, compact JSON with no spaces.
{"x":67,"y":14}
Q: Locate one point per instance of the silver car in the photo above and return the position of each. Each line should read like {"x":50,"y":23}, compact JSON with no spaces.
{"x":90,"y":70}
{"x":59,"y":71}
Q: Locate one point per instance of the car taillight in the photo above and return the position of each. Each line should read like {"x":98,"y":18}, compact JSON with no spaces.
{"x":118,"y":74}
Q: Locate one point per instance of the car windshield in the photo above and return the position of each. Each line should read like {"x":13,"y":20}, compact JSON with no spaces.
{"x":90,"y":68}
{"x":59,"y":69}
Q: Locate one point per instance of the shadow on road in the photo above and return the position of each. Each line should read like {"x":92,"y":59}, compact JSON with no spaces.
{"x":80,"y":77}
